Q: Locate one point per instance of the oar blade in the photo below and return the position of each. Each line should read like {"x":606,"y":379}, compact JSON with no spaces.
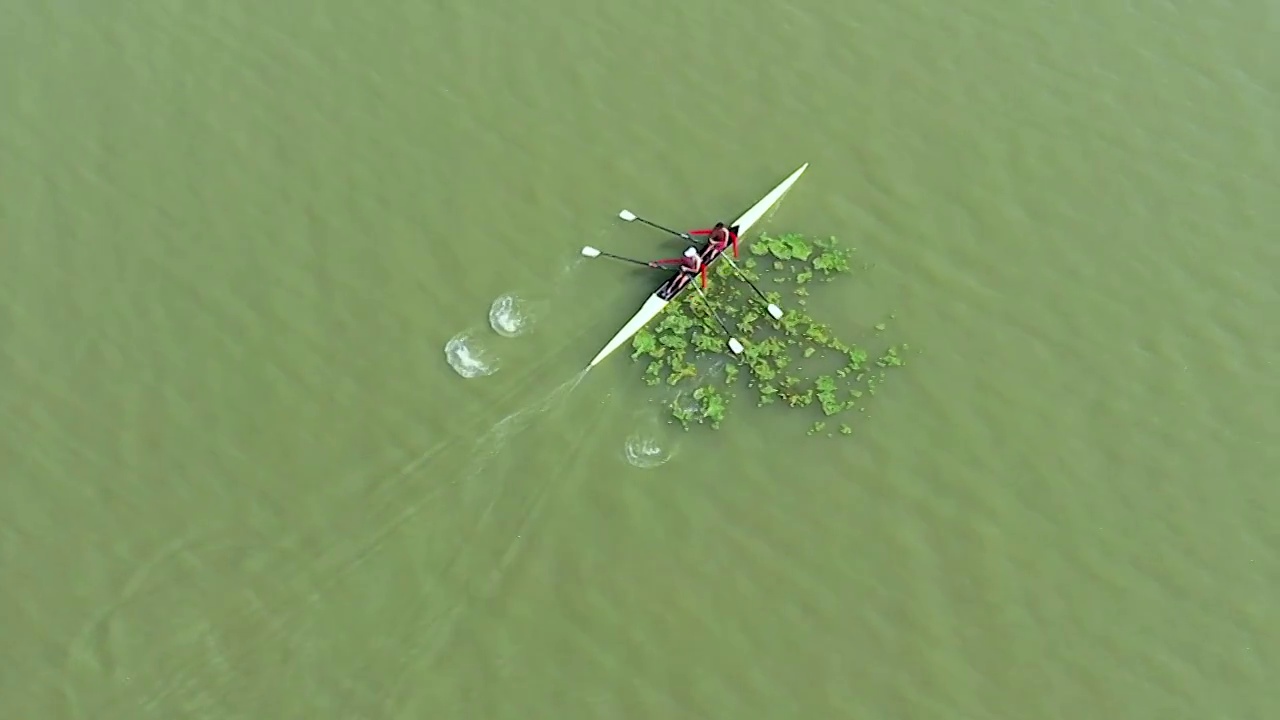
{"x":775,"y":311}
{"x":735,"y":346}
{"x":627,"y":215}
{"x":589,"y":251}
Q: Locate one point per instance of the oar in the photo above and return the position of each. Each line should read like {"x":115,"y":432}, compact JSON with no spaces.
{"x":734,"y":345}
{"x":774,"y":310}
{"x":629,"y":216}
{"x":592,"y":252}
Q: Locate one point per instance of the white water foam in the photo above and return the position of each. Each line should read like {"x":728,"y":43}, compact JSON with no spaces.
{"x":468,"y":356}
{"x":511,"y":315}
{"x":646,"y":451}
{"x":651,"y":444}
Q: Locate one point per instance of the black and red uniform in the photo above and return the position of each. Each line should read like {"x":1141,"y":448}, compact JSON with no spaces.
{"x":690,"y":263}
{"x":719,"y":238}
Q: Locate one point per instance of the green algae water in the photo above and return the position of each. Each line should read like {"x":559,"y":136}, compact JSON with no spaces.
{"x":293,"y":321}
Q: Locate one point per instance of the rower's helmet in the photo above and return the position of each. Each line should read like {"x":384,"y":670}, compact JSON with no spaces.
{"x":691,"y":253}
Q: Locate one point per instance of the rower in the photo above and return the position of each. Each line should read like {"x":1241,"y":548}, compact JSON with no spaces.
{"x":690,"y":264}
{"x":718,"y":238}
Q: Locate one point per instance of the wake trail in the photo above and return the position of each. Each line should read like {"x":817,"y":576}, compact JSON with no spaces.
{"x":495,"y":440}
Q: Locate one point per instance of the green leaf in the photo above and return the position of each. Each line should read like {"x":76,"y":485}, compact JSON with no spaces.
{"x":712,"y":404}
{"x":674,"y":341}
{"x":831,"y":260}
{"x":763,"y":371}
{"x":796,"y":246}
{"x":644,"y":343}
{"x":705,"y":342}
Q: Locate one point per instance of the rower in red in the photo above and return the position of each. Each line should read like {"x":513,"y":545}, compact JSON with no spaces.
{"x":719,"y":238}
{"x":690,"y":264}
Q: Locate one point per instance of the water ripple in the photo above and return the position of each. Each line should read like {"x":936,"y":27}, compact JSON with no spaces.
{"x":469,"y":357}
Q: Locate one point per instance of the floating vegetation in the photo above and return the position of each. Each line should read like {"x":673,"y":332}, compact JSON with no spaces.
{"x":797,"y":362}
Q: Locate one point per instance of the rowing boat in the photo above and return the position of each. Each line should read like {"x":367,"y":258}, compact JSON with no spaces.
{"x":677,"y":283}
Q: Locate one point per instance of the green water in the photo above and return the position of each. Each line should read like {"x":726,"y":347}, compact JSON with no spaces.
{"x":239,"y":479}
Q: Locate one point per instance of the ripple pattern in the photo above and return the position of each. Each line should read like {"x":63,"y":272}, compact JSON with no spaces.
{"x":469,"y":357}
{"x":510,"y":315}
{"x":650,"y":445}
{"x":646,"y":451}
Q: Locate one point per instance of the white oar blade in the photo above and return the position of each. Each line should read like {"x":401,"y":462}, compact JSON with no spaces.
{"x":775,"y":311}
{"x":590,"y":251}
{"x":735,"y":346}
{"x":627,"y":215}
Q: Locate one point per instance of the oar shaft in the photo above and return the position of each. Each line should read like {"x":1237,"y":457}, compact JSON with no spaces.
{"x":659,"y":227}
{"x":625,"y":259}
{"x":706,"y":301}
{"x":748,"y":281}
{"x":745,"y":279}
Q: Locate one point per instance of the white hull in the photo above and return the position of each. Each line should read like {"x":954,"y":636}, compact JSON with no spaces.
{"x":648,"y":311}
{"x":654,"y":305}
{"x":757,"y":211}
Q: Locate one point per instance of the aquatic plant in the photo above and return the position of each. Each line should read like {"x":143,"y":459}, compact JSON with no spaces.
{"x":796,"y":362}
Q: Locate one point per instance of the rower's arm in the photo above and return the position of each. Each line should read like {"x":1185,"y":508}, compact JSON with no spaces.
{"x":671,"y":261}
{"x":699,"y":232}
